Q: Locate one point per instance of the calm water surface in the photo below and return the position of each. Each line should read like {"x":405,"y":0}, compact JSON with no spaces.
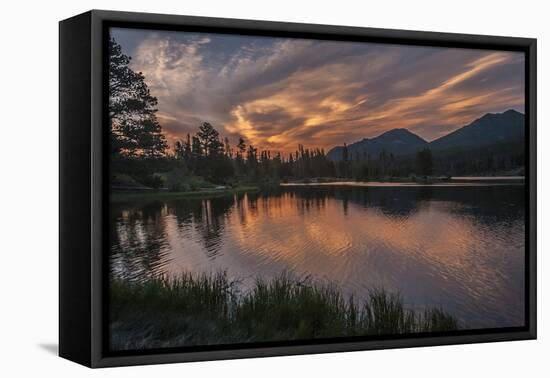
{"x":458,"y":247}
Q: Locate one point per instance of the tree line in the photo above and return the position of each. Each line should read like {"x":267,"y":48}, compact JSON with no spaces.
{"x":206,"y":154}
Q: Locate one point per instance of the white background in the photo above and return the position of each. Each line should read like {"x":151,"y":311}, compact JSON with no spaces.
{"x":29,"y":186}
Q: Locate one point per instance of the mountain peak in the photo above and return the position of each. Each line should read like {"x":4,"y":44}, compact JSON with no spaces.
{"x":508,"y":113}
{"x":398,"y":131}
{"x":397,"y":141}
{"x":491,"y":128}
{"x":400,"y":135}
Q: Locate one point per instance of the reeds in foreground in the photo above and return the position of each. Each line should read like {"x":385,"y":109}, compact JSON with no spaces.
{"x":209,"y":309}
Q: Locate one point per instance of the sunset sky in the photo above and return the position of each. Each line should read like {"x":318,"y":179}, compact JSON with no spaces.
{"x":278,"y":92}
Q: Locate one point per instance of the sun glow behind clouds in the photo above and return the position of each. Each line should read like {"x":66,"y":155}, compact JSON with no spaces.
{"x":278,"y":93}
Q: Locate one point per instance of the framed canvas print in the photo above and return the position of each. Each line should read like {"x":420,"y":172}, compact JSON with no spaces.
{"x":234,"y":188}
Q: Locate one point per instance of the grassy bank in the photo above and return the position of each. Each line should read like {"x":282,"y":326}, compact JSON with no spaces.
{"x":152,"y":194}
{"x":209,"y":309}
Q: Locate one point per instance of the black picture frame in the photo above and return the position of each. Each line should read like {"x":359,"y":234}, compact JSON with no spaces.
{"x":83,"y":166}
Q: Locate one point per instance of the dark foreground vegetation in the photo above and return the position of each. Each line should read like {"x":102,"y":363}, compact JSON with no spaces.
{"x":209,"y":309}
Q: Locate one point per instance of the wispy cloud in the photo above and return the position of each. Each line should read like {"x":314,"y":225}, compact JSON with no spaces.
{"x":278,"y":93}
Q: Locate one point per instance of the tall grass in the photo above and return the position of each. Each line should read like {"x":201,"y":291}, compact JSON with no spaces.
{"x":209,"y":309}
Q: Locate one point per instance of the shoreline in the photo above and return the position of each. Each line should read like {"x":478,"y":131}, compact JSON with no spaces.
{"x":121,"y":196}
{"x":408,"y":181}
{"x":410,"y":184}
{"x":466,"y":181}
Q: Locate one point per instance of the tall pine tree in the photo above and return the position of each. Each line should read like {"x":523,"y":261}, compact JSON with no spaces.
{"x":135,"y":130}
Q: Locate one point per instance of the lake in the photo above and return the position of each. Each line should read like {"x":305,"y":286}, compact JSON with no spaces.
{"x":459,"y":246}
